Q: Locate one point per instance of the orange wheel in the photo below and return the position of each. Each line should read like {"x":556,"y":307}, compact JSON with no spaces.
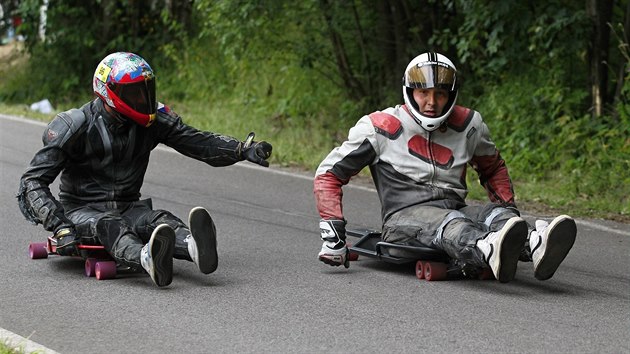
{"x":351,"y":255}
{"x":420,"y":270}
{"x":435,"y":271}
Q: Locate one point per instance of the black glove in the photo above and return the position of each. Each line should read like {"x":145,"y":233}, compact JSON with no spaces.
{"x":67,"y":242}
{"x":256,"y":152}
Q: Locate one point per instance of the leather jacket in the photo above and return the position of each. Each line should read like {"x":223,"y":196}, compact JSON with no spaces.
{"x":103,"y":158}
{"x":410,"y":165}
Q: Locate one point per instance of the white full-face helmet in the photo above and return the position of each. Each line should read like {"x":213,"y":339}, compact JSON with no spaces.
{"x":430,"y":70}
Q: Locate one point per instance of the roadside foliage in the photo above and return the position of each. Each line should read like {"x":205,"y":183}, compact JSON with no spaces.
{"x":549,"y":77}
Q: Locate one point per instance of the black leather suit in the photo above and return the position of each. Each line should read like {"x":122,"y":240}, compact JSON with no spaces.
{"x":102,"y":160}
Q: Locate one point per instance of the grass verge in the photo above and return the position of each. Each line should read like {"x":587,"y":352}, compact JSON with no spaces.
{"x":300,"y":143}
{"x":300,"y":149}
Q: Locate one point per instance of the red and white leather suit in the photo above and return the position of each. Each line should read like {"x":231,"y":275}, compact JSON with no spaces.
{"x":411,"y":166}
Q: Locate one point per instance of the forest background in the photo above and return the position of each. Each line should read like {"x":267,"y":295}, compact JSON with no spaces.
{"x":549,"y":77}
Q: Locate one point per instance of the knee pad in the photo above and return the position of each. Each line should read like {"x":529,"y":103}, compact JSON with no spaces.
{"x":498,"y":214}
{"x":109,"y":229}
{"x":157,"y":217}
{"x":449,"y":217}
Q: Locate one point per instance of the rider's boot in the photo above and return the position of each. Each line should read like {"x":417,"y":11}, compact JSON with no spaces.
{"x":501,"y":249}
{"x":202,"y":242}
{"x":335,"y":253}
{"x":550,"y":244}
{"x":334,"y":250}
{"x":156,"y":256}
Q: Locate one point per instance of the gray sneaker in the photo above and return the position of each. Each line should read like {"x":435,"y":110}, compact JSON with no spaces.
{"x":502,"y":248}
{"x":156,"y":256}
{"x":202,"y":243}
{"x":550,"y":244}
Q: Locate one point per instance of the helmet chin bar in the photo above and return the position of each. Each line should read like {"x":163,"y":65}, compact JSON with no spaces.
{"x":428,"y":123}
{"x":430,"y":70}
{"x":112,"y":112}
{"x":123,"y":109}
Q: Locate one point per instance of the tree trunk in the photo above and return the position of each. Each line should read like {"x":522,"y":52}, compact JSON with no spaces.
{"x":600,"y":12}
{"x":624,"y":65}
{"x":341,"y":57}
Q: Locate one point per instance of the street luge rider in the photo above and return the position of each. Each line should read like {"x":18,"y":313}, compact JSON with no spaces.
{"x":418,"y":153}
{"x":101,"y":153}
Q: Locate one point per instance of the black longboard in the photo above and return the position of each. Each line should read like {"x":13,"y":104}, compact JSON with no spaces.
{"x":431,"y":264}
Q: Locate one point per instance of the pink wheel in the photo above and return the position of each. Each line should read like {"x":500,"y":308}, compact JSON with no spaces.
{"x":105,"y":270}
{"x":90,"y":267}
{"x":37,"y":250}
{"x":435,"y":271}
{"x":420,"y":270}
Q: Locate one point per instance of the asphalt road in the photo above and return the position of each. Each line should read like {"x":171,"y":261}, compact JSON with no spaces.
{"x":270,"y":294}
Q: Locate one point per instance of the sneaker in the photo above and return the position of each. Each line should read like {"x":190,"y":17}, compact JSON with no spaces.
{"x":156,"y":256}
{"x":501,"y":249}
{"x":202,"y":242}
{"x":335,"y":254}
{"x":550,"y":244}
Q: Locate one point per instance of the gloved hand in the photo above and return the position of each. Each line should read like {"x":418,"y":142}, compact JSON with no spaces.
{"x":334,"y":250}
{"x":256,"y":152}
{"x":67,"y":241}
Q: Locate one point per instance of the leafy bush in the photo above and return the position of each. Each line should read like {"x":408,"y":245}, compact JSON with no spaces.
{"x":301,"y":73}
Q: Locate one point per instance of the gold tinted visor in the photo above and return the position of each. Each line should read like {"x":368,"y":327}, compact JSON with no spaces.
{"x":429,"y":76}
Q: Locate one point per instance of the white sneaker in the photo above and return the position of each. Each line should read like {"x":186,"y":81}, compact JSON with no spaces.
{"x":334,"y":256}
{"x":550,"y":244}
{"x":156,"y":256}
{"x":202,"y":243}
{"x":502,"y":248}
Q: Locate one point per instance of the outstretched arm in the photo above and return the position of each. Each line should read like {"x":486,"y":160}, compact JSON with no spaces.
{"x":211,"y":148}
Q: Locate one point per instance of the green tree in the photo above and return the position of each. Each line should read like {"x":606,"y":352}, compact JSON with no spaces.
{"x":80,"y":33}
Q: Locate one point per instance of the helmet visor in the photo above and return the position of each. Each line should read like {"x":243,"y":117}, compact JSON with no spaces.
{"x":430,"y":76}
{"x":139,"y":96}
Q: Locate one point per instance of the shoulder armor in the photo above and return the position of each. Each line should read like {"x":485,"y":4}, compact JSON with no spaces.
{"x":63,"y":126}
{"x":386,"y":124}
{"x":165,"y":113}
{"x":460,"y":118}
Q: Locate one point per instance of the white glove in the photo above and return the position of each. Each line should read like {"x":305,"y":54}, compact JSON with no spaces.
{"x":334,"y":250}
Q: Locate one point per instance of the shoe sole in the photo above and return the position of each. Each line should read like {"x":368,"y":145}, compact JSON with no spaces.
{"x":205,"y":235}
{"x":562,"y":233}
{"x":162,"y":246}
{"x":344,"y":259}
{"x":510,"y":249}
{"x":331,"y":262}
